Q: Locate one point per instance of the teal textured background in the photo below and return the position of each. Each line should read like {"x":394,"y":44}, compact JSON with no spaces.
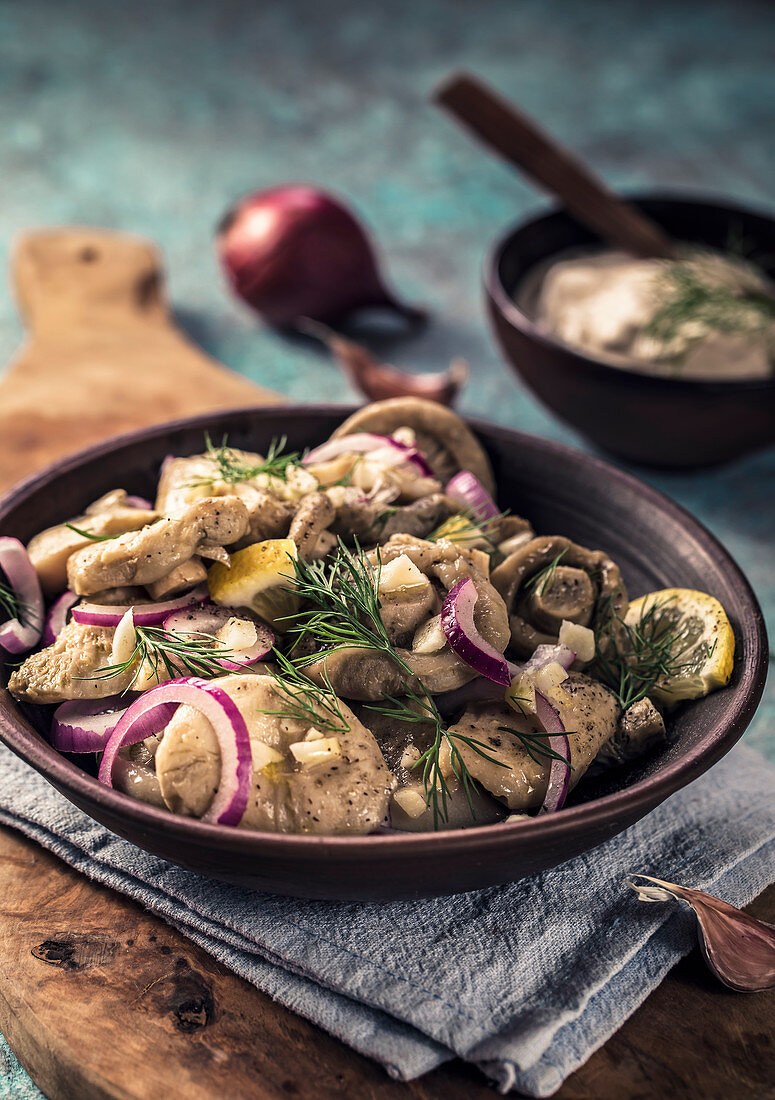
{"x":152,"y":117}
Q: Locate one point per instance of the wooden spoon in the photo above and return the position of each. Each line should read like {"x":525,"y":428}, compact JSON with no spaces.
{"x":522,"y":143}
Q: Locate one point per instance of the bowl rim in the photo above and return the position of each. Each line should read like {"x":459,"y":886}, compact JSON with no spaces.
{"x":26,"y":743}
{"x":607,"y":372}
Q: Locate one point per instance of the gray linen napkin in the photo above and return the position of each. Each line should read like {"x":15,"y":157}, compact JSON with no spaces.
{"x":525,"y":980}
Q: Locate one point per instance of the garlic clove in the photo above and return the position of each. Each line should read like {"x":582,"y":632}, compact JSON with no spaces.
{"x":378,"y":381}
{"x":739,"y":949}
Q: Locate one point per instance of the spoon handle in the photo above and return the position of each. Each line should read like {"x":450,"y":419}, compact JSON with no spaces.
{"x":521,"y":142}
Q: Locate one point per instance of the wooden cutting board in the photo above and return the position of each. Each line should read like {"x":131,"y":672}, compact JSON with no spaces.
{"x":102,"y":1001}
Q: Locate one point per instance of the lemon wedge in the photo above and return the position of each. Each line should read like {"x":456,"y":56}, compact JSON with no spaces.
{"x":258,"y":578}
{"x":694,"y":636}
{"x":462,"y":531}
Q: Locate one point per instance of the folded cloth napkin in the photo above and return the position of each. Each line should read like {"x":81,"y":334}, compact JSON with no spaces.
{"x":525,"y":980}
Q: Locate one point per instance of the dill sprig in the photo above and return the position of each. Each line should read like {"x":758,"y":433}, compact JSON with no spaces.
{"x":175,"y":653}
{"x":232,"y":467}
{"x":544,"y":579}
{"x":474,"y":528}
{"x":90,"y":534}
{"x":304,"y":699}
{"x":422,"y":708}
{"x":654,"y":648}
{"x":343,"y":613}
{"x":698,"y":296}
{"x":343,"y":610}
{"x":535,"y":745}
{"x":10,"y":604}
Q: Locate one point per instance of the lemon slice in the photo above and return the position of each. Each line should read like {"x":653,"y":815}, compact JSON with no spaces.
{"x":701,"y":654}
{"x":462,"y":531}
{"x":258,"y":578}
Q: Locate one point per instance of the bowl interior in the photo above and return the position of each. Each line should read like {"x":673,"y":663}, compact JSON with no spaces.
{"x":713,"y":224}
{"x":561,"y":491}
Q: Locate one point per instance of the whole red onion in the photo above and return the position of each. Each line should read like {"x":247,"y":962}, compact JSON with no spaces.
{"x":294,"y":252}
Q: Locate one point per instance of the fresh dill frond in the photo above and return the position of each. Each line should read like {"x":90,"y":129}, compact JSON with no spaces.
{"x":90,"y":535}
{"x":702,"y":294}
{"x":544,"y":579}
{"x":636,"y":656}
{"x":176,"y":654}
{"x":10,"y":604}
{"x":473,"y":528}
{"x":304,"y":700}
{"x":421,"y":708}
{"x":343,"y":609}
{"x":232,"y":467}
{"x":535,"y":745}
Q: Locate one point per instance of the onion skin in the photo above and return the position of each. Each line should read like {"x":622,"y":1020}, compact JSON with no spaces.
{"x":559,"y":773}
{"x":17,"y":636}
{"x":457,"y":622}
{"x":86,"y":725}
{"x":152,"y":711}
{"x":57,"y":616}
{"x":144,"y":614}
{"x":468,"y":490}
{"x":294,"y":252}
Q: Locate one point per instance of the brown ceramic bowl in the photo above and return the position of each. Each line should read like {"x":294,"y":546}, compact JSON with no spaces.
{"x":641,"y":417}
{"x":562,"y":491}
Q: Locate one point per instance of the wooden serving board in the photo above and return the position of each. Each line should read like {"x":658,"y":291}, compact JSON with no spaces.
{"x":99,"y":999}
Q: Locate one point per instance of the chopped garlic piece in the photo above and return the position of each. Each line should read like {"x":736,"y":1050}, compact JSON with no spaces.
{"x":411,"y":800}
{"x":578,"y":638}
{"x":549,"y":677}
{"x":517,"y":817}
{"x":405,"y":436}
{"x":429,"y":638}
{"x":237,"y":634}
{"x":263,"y":755}
{"x":410,"y":757}
{"x":322,"y":751}
{"x":314,"y":734}
{"x":124,"y":639}
{"x":521,"y":696}
{"x":516,"y":542}
{"x":401,"y":572}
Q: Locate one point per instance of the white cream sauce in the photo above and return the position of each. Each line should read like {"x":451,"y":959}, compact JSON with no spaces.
{"x":602,"y":303}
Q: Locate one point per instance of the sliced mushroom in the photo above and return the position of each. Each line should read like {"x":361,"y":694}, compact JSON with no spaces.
{"x":106,"y":517}
{"x":346,"y":794}
{"x":368,"y":675}
{"x":641,"y":728}
{"x":444,"y":439}
{"x":551,"y":579}
{"x":589,"y":713}
{"x":368,"y":521}
{"x":142,"y":557}
{"x":180,"y":579}
{"x":66,"y":669}
{"x":313,"y":516}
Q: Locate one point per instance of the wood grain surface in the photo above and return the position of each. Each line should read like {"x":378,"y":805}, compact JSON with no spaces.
{"x":99,"y":999}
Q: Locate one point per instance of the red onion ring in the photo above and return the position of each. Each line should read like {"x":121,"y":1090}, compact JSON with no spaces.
{"x":559,"y":773}
{"x":139,"y":502}
{"x":145,"y":614}
{"x":57,"y":616}
{"x":457,"y":622}
{"x":365,"y":443}
{"x":152,"y":711}
{"x":209,"y":618}
{"x":20,"y":634}
{"x":85,"y":725}
{"x":466,"y":489}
